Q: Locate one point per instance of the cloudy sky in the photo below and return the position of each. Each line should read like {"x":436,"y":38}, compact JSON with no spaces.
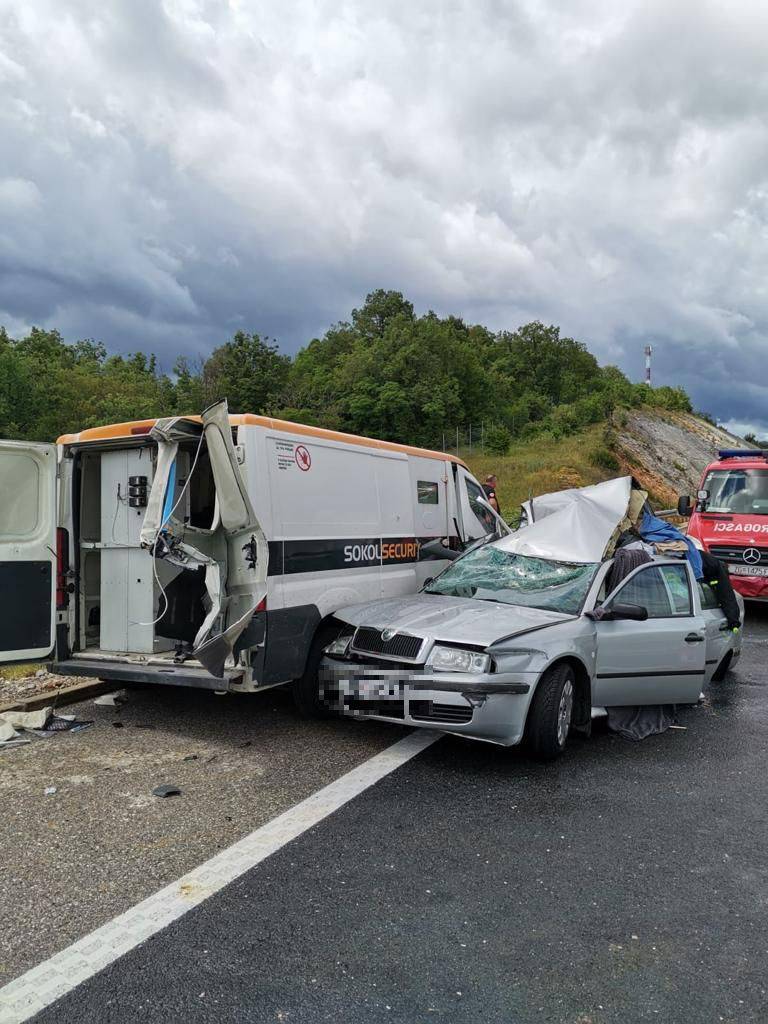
{"x":173,"y":171}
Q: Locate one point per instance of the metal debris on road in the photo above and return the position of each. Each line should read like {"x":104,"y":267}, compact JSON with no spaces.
{"x":112,"y":700}
{"x":166,"y":790}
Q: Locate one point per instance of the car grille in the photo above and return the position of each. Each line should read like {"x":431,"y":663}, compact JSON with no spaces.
{"x":400,"y":646}
{"x":736,"y":554}
{"x":431,"y":711}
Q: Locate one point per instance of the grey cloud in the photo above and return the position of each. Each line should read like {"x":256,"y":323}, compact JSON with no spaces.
{"x":173,"y":172}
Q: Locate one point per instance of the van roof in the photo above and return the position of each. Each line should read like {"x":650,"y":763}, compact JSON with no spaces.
{"x":113,"y":431}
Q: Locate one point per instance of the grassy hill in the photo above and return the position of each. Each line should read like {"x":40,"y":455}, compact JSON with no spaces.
{"x":666,"y":451}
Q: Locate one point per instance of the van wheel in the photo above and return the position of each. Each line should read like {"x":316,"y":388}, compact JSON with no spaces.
{"x":306,"y":689}
{"x":551,"y":713}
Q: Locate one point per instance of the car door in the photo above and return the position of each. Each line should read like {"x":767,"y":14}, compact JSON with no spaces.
{"x":718,"y":635}
{"x":27,"y":550}
{"x":657,"y":661}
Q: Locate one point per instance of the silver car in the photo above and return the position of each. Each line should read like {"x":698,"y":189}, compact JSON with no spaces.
{"x":505,"y":647}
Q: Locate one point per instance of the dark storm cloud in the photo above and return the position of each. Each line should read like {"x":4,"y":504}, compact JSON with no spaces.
{"x":172,"y":172}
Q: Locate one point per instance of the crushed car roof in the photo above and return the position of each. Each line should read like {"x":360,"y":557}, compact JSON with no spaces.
{"x":579,"y":524}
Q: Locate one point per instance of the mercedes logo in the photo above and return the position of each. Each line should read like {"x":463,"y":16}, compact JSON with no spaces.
{"x":387,"y":634}
{"x":751,"y":556}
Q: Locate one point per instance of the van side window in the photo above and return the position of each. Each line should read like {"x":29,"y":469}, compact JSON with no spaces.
{"x":482,"y":514}
{"x":427,"y":492}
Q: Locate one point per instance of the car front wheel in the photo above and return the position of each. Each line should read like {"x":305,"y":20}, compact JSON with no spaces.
{"x":551,"y":713}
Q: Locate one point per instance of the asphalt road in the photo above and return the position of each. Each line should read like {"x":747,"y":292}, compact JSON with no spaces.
{"x":74,"y":859}
{"x":626,"y":882}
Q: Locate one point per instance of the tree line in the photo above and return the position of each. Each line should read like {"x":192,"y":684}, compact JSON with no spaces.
{"x":386,"y":372}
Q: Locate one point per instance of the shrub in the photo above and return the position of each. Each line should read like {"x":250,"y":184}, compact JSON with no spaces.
{"x":497,"y":440}
{"x":604,"y":458}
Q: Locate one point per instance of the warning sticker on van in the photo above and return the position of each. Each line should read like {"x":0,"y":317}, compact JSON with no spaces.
{"x":285,"y":452}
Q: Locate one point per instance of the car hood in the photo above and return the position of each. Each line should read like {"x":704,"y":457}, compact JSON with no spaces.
{"x":456,"y":619}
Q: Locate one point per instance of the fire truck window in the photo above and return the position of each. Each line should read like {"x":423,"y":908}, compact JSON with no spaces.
{"x":737,"y":490}
{"x":427,"y":492}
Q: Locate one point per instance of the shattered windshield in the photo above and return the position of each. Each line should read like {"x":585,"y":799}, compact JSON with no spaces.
{"x":491,"y":574}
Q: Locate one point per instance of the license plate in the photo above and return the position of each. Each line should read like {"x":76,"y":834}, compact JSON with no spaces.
{"x":370,"y":689}
{"x":748,"y":570}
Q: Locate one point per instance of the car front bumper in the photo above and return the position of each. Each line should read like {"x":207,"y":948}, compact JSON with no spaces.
{"x":491,"y":707}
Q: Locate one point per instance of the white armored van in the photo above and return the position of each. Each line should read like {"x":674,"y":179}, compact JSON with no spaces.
{"x":212,"y":551}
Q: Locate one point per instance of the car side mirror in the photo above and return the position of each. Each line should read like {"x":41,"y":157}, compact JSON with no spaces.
{"x":684,"y":507}
{"x":635,"y":612}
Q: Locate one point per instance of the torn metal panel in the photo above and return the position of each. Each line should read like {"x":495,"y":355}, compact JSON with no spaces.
{"x":216,"y":649}
{"x":235,"y":507}
{"x":576,"y":525}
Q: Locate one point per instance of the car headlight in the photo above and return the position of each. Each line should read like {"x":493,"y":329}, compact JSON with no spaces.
{"x":454,"y":659}
{"x":340,"y":645}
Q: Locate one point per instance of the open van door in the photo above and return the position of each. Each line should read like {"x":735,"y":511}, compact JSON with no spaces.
{"x":477,"y":519}
{"x":27,"y":550}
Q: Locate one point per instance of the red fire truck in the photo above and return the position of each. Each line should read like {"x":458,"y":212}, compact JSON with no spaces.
{"x":729,"y":517}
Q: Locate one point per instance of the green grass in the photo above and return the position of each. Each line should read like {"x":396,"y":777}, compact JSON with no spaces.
{"x":19,"y":671}
{"x":539,"y":466}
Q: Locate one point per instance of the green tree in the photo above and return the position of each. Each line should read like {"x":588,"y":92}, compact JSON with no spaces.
{"x":249,"y":372}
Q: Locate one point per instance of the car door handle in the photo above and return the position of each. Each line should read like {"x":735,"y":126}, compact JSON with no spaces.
{"x":694,"y":638}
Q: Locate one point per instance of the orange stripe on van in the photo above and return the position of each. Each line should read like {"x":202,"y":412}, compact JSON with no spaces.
{"x":114,"y":431}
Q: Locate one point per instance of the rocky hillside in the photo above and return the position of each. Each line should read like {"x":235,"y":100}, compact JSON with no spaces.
{"x":666,"y":451}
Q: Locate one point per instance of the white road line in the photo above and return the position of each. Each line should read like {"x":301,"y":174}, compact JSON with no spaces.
{"x":42,"y":985}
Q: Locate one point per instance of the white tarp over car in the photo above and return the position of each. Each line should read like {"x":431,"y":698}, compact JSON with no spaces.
{"x":575,"y":525}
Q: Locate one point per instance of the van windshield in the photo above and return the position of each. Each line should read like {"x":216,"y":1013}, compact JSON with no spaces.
{"x":737,"y":490}
{"x":490,"y":574}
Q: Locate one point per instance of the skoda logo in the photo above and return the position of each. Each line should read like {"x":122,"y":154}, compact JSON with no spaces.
{"x":387,"y":634}
{"x":751,"y":556}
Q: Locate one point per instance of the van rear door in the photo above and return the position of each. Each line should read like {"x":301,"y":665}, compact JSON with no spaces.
{"x":27,"y":550}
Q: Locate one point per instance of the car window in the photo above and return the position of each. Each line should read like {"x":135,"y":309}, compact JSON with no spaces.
{"x":647,"y":589}
{"x":676,"y":579}
{"x":707,"y":595}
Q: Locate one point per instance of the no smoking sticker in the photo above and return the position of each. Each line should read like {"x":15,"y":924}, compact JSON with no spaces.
{"x":303,"y":458}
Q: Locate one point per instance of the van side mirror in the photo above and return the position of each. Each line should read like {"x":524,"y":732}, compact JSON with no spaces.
{"x":635,"y":612}
{"x":684,"y":507}
{"x":436,"y":549}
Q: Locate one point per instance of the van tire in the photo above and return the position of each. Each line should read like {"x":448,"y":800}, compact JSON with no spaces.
{"x":551,"y":712}
{"x":306,"y":689}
